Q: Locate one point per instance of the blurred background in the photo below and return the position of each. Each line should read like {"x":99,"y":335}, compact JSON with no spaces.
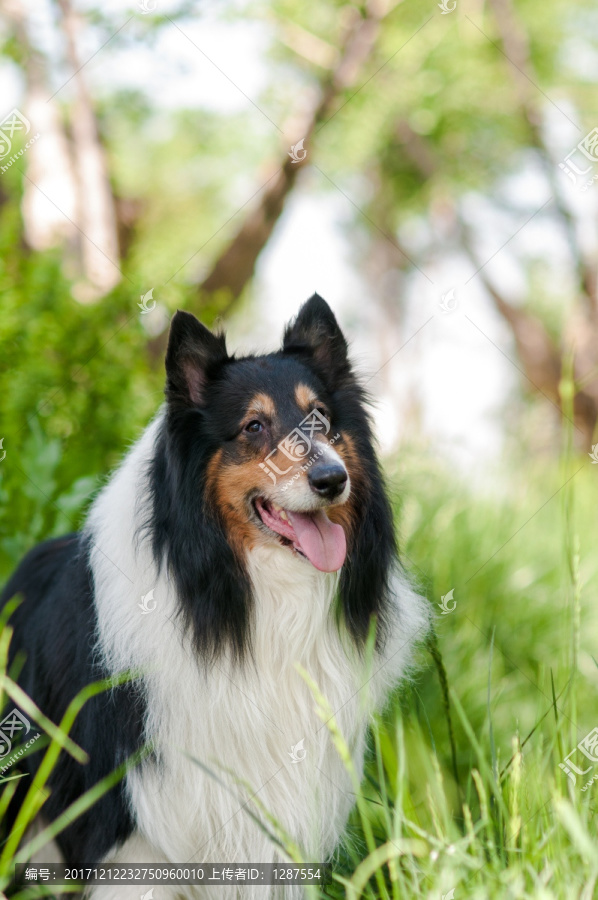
{"x":432,"y":171}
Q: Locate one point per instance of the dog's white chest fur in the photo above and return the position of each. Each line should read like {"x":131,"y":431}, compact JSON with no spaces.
{"x":240,"y":722}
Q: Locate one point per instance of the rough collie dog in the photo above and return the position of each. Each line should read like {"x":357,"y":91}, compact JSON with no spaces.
{"x":246,"y":536}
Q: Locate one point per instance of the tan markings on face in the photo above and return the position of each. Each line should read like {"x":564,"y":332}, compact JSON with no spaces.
{"x":261,"y":405}
{"x":229,"y":484}
{"x":305,"y":397}
{"x":227,"y":488}
{"x":347,"y":514}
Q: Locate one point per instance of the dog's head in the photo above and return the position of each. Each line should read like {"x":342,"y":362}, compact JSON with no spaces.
{"x":273,"y":449}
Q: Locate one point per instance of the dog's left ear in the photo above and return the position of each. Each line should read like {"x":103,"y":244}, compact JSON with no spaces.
{"x":193,"y":354}
{"x":315,"y":333}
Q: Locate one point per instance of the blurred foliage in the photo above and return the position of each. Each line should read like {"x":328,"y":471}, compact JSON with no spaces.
{"x":78,"y":382}
{"x":510,"y":557}
{"x":75,"y":387}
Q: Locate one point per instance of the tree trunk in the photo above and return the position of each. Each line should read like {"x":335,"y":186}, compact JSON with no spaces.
{"x":234,"y":268}
{"x":96,"y":216}
{"x":581,"y":332}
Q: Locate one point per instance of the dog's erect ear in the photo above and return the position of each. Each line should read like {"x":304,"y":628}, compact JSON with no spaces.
{"x":315,"y":333}
{"x":192,"y":352}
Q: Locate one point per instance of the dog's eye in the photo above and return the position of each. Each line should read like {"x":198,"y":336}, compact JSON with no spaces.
{"x":254,"y":427}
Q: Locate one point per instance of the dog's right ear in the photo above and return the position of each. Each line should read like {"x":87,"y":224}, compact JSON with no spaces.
{"x":193,"y":352}
{"x":316,"y":334}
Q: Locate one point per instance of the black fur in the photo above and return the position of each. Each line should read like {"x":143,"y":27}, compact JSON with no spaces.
{"x":218,"y":609}
{"x":54,"y":630}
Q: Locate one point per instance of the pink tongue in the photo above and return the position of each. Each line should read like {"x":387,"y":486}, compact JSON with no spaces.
{"x":322,"y":541}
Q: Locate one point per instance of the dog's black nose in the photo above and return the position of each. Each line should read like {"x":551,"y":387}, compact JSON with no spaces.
{"x":327,"y":479}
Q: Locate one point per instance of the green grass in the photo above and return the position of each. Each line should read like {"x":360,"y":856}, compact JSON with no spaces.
{"x":500,"y":819}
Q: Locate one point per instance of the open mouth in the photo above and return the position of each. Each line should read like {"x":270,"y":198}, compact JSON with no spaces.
{"x":312,"y":534}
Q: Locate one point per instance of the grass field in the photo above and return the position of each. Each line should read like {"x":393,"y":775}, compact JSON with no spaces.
{"x":489,"y":813}
{"x":498,"y":818}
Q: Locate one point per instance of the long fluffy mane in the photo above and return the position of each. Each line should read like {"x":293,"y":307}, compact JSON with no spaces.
{"x":189,"y":539}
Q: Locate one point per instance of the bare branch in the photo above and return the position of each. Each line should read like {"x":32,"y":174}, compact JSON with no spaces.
{"x":516,"y":49}
{"x":234,"y":268}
